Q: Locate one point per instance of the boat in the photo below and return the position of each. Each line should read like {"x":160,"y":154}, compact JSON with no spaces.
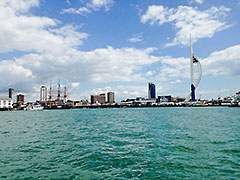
{"x":33,"y":108}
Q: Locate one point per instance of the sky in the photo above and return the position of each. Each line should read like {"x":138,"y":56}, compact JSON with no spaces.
{"x":96,"y":46}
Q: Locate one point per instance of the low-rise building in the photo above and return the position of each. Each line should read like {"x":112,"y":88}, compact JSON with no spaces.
{"x":6,"y":103}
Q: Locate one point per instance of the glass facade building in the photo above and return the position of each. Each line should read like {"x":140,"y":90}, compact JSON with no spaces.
{"x":151,"y":91}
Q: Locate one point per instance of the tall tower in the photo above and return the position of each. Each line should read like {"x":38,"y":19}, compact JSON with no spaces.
{"x":11,"y":93}
{"x":151,"y":91}
{"x":110,"y":97}
{"x":195,"y":72}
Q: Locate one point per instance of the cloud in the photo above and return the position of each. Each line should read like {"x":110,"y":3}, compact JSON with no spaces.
{"x":91,"y":5}
{"x":97,"y":66}
{"x":75,"y":84}
{"x":97,"y":4}
{"x":81,"y":11}
{"x":197,"y":1}
{"x":186,"y":20}
{"x":150,"y":73}
{"x":51,"y":52}
{"x":24,"y":32}
{"x":136,"y":38}
{"x":224,"y":62}
{"x":20,"y":5}
{"x":177,"y":81}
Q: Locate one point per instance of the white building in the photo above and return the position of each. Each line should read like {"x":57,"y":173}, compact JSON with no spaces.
{"x":6,"y":103}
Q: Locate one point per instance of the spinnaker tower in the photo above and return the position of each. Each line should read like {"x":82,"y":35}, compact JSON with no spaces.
{"x":195,"y":73}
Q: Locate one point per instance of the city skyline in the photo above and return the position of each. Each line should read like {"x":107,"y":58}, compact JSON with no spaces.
{"x":109,"y":45}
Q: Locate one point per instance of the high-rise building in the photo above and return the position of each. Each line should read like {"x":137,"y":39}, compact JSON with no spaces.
{"x":151,"y":91}
{"x":102,"y":99}
{"x":94,"y":99}
{"x":98,"y":99}
{"x":110,"y":97}
{"x":43,"y":93}
{"x":11,"y":93}
{"x":20,"y":99}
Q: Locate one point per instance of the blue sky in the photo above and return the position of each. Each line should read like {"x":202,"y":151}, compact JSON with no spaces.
{"x":96,"y":46}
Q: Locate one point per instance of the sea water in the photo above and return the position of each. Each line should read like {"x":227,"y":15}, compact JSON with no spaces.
{"x":125,"y":143}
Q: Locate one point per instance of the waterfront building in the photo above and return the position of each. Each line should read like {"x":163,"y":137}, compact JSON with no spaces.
{"x":110,"y":97}
{"x":164,"y":98}
{"x":43,"y":94}
{"x":20,"y":99}
{"x":151,"y":91}
{"x":95,"y":99}
{"x":102,"y":98}
{"x":85,"y":102}
{"x":6,"y":102}
{"x":11,"y":93}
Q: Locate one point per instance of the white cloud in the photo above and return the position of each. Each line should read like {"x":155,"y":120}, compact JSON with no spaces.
{"x":81,"y":11}
{"x":51,"y":53}
{"x":224,"y":62}
{"x":188,"y":20}
{"x":177,"y":81}
{"x":32,"y":33}
{"x":98,"y":66}
{"x":136,"y":38}
{"x":19,"y":5}
{"x":150,"y":73}
{"x":197,"y":1}
{"x":75,"y":84}
{"x":91,"y":5}
{"x":97,"y":4}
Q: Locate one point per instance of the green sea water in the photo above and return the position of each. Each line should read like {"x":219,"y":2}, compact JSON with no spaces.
{"x":128,"y":143}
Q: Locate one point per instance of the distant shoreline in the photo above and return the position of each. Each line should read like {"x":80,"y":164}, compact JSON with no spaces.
{"x":115,"y":106}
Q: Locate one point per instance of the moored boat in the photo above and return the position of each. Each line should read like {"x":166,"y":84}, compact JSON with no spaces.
{"x":33,"y":108}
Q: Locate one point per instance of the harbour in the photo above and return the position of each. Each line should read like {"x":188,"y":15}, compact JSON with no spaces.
{"x":119,"y":90}
{"x":137,"y":143}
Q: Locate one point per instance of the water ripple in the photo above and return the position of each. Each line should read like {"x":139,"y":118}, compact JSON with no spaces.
{"x":151,"y":143}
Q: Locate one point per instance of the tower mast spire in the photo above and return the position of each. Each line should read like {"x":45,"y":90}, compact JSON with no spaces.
{"x":191,"y":71}
{"x":191,"y":60}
